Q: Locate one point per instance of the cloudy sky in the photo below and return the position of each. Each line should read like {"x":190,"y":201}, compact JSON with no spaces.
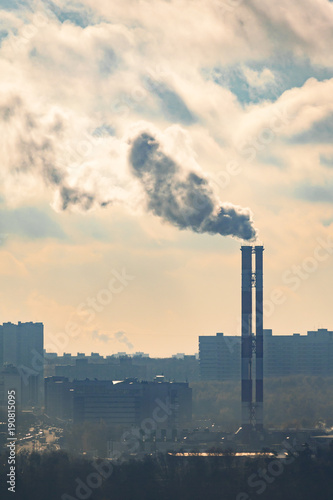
{"x":142,"y":142}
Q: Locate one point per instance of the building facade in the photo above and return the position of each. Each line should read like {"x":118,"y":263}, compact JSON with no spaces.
{"x":311,"y":354}
{"x":21,"y":346}
{"x":10,"y":379}
{"x":183,"y":368}
{"x":126,"y":403}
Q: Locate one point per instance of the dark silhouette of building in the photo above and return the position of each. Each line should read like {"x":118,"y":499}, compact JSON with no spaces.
{"x":184,"y":368}
{"x":10,"y":378}
{"x":21,"y":346}
{"x":311,"y":354}
{"x":125,"y":403}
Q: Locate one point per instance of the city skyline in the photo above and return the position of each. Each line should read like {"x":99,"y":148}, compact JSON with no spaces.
{"x":166,"y":249}
{"x":124,"y":137}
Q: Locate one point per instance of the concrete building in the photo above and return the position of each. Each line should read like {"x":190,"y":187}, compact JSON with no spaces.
{"x":114,"y":369}
{"x":59,"y":398}
{"x":219,"y":357}
{"x":126,"y":403}
{"x":21,"y":346}
{"x":10,"y":379}
{"x":311,"y":354}
{"x":184,"y":369}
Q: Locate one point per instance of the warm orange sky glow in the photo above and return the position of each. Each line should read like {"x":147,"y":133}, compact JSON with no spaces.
{"x":101,"y":233}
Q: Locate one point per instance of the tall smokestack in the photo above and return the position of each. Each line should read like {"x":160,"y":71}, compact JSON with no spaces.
{"x":246,"y":367}
{"x":259,"y":337}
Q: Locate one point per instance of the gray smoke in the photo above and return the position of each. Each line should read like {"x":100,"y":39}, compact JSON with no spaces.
{"x":186,"y":200}
{"x":36,"y":149}
{"x":100,"y":336}
{"x":72,"y":196}
{"x":120,"y":337}
{"x":181,"y":197}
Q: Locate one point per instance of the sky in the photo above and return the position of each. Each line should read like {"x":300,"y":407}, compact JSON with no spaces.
{"x":142,"y":143}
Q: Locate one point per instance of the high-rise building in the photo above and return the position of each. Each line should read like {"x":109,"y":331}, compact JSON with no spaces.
{"x":59,"y":398}
{"x":21,"y":346}
{"x":10,"y":379}
{"x":219,"y":357}
{"x":311,"y":354}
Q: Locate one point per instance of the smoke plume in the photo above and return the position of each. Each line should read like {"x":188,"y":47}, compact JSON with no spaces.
{"x":35,"y":147}
{"x":184,"y":198}
{"x":120,"y":337}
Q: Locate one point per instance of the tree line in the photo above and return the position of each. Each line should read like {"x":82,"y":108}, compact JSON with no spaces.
{"x":296,"y":401}
{"x":58,"y":475}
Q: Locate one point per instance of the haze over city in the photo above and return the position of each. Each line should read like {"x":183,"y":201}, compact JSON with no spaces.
{"x":166,"y":249}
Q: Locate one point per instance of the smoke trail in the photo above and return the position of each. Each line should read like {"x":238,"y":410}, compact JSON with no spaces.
{"x":32,"y":142}
{"x":35,"y":145}
{"x":185,"y":199}
{"x":120,"y":337}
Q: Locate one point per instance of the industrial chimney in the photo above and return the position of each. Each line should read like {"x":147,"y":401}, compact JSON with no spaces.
{"x":252,"y":406}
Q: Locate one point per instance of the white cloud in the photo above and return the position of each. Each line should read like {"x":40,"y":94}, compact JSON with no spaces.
{"x":295,"y":111}
{"x":61,"y":82}
{"x":258,"y":78}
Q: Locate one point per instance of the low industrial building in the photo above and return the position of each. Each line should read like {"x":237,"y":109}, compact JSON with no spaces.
{"x":125,"y":403}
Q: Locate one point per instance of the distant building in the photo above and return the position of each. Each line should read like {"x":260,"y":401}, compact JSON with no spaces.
{"x":114,"y":369}
{"x":219,"y":357}
{"x":59,"y":398}
{"x":10,"y":378}
{"x":310,"y":354}
{"x":139,"y":365}
{"x":125,"y":403}
{"x":21,"y":346}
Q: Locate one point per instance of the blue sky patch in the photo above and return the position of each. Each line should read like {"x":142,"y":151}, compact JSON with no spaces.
{"x":270,"y":159}
{"x":12,"y":4}
{"x":319,"y":133}
{"x":104,"y":130}
{"x":288,"y":71}
{"x":315,"y":193}
{"x":76,"y":13}
{"x":29,"y":222}
{"x":327,"y":161}
{"x":3,"y":34}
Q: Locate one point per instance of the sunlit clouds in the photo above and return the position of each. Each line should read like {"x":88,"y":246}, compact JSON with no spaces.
{"x":222,"y":104}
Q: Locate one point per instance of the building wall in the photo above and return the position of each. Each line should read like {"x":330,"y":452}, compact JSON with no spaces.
{"x":1,"y":345}
{"x":103,"y":400}
{"x":82,"y":369}
{"x":58,"y":398}
{"x":10,"y":379}
{"x":185,"y":369}
{"x":220,"y":357}
{"x":126,"y":403}
{"x":10,"y":344}
{"x":21,"y":346}
{"x":284,"y":355}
